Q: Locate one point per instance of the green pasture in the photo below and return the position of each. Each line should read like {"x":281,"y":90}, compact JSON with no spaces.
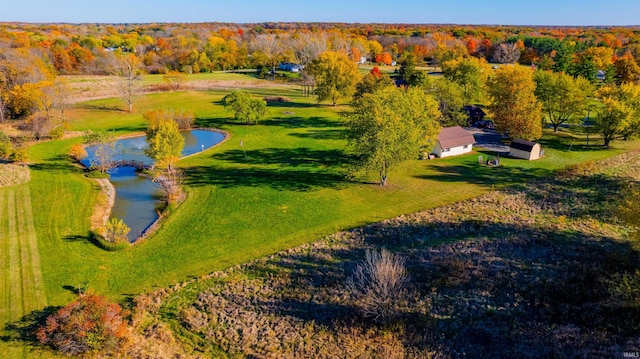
{"x":285,"y":186}
{"x":242,"y":75}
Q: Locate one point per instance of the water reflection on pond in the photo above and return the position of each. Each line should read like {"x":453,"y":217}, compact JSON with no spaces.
{"x":138,"y":199}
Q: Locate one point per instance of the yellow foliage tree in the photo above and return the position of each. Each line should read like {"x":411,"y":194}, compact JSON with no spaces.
{"x":515,"y":107}
{"x":336,"y":76}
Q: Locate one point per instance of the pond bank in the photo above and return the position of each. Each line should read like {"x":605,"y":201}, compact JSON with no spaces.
{"x":138,"y":204}
{"x":104,"y":203}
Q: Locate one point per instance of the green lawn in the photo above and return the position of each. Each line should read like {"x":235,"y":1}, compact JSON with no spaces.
{"x":289,"y":189}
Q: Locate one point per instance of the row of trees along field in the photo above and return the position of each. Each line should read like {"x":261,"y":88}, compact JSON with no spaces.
{"x":388,"y":124}
{"x":569,"y":59}
{"x":32,"y":54}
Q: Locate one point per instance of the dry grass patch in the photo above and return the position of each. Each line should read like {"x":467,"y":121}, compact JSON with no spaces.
{"x":11,"y":175}
{"x":537,"y":271}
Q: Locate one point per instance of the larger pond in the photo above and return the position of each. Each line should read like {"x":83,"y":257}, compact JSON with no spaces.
{"x":138,"y":199}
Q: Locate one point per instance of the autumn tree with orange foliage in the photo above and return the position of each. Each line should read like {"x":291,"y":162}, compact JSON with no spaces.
{"x":89,"y":325}
{"x":384,"y":59}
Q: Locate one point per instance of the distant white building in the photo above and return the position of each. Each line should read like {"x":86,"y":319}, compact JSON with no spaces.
{"x":453,"y":141}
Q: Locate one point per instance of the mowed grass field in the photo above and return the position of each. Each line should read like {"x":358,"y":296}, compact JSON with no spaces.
{"x":285,"y":186}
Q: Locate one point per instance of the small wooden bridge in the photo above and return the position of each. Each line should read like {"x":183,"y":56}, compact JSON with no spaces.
{"x":139,"y":165}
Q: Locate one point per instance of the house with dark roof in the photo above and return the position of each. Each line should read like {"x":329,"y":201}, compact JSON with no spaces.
{"x":453,"y":141}
{"x":474,"y":113}
{"x":526,"y":150}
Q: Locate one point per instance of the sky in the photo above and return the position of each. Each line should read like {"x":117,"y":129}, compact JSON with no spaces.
{"x":484,"y":12}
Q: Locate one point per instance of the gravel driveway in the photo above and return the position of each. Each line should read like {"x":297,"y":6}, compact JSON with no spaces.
{"x":488,"y":139}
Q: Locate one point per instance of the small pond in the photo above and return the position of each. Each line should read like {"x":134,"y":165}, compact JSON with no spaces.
{"x":138,"y":199}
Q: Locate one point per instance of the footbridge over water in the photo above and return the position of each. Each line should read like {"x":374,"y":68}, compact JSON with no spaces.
{"x":139,"y":165}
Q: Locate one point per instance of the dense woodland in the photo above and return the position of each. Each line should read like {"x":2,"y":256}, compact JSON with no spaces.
{"x":192,"y":48}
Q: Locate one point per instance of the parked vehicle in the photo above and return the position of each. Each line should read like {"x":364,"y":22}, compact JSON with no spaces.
{"x":483,"y":124}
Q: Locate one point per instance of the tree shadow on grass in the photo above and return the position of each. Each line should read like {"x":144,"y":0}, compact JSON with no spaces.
{"x":25,"y":328}
{"x":321,"y":134}
{"x":286,"y":157}
{"x":299,"y":169}
{"x":284,"y":105}
{"x":571,"y":145}
{"x":101,"y":107}
{"x":58,"y":163}
{"x":279,"y":179}
{"x":302,"y":122}
{"x":212,"y":122}
{"x":481,"y":174}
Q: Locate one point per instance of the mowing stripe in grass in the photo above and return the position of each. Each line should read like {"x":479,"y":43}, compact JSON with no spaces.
{"x":20,"y":270}
{"x":32,"y":281}
{"x":25,"y":278}
{"x":4,"y":248}
{"x":15,"y":287}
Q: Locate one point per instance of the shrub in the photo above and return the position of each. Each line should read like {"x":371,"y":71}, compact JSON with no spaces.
{"x":115,"y":231}
{"x":378,"y":283}
{"x":57,"y":133}
{"x":96,"y":174}
{"x":77,"y":152}
{"x":279,"y":99}
{"x":174,"y":80}
{"x":262,"y":73}
{"x":5,"y":145}
{"x":99,"y":240}
{"x":90,"y":324}
{"x":171,"y":184}
{"x":628,"y":208}
{"x":184,"y":119}
{"x":19,"y":155}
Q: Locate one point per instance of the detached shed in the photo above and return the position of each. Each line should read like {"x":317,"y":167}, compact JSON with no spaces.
{"x":525,"y":149}
{"x":453,"y":141}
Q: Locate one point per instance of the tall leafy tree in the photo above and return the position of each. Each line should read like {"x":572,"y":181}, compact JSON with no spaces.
{"x":244,"y":107}
{"x":306,"y":48}
{"x":390,"y":126}
{"x":601,"y":56}
{"x":620,"y":114}
{"x":371,"y":82}
{"x":336,"y":76}
{"x":165,"y":143}
{"x":450,"y":102}
{"x":471,"y":74}
{"x":562,"y":96}
{"x":409,"y":73}
{"x":105,"y":149}
{"x":563,"y":57}
{"x":585,"y":67}
{"x":627,"y":70}
{"x":127,"y":68}
{"x":513,"y":103}
{"x":267,"y":50}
